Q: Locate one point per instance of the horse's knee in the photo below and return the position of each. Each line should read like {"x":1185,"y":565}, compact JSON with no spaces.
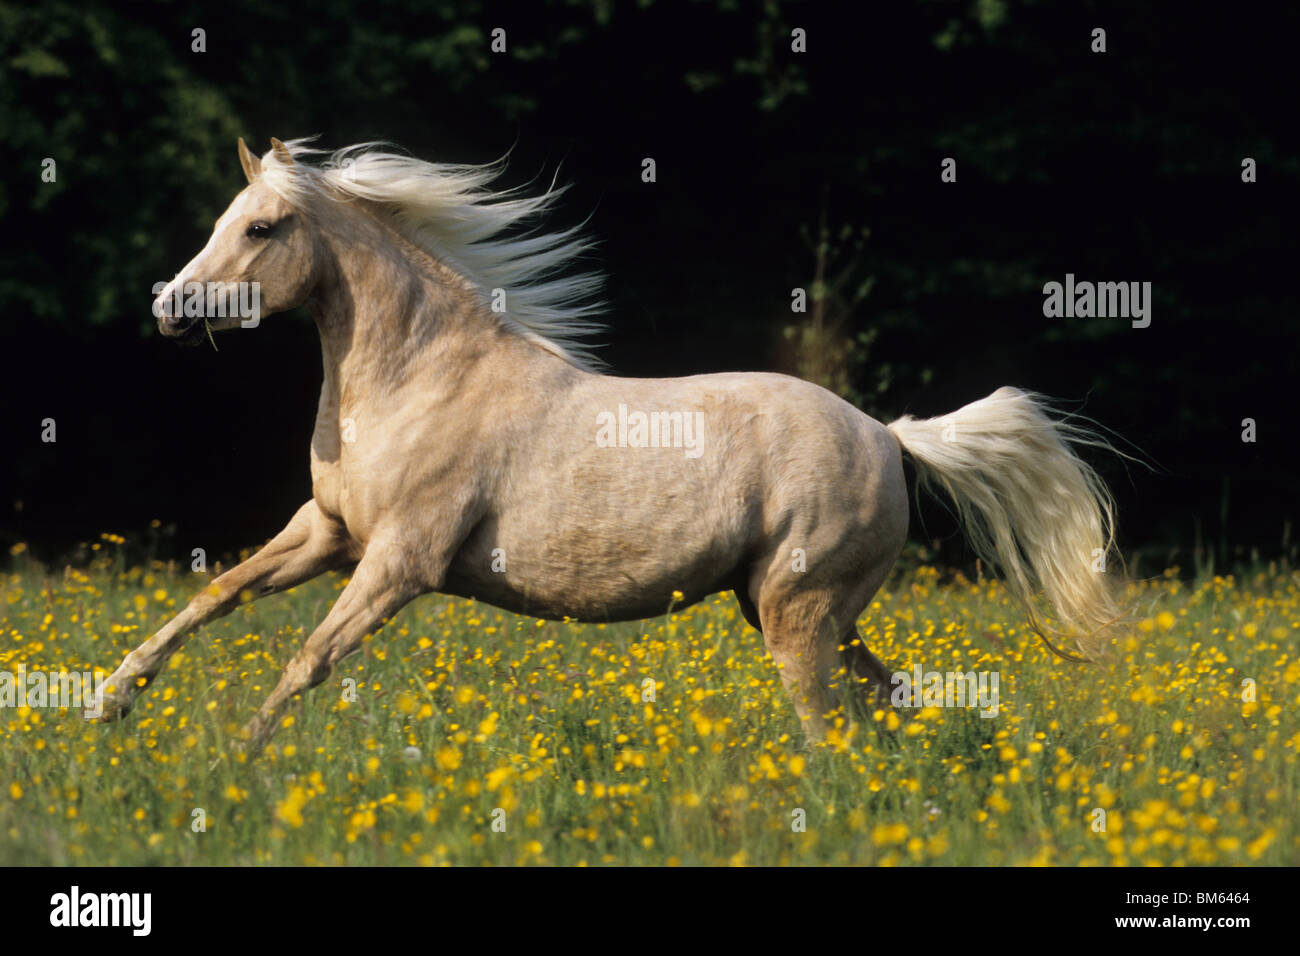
{"x":304,"y":672}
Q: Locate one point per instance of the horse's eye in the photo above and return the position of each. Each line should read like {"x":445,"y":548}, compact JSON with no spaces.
{"x":259,"y":230}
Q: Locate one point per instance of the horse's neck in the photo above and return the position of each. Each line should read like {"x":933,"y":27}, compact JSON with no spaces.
{"x":391,"y":317}
{"x":382,"y":307}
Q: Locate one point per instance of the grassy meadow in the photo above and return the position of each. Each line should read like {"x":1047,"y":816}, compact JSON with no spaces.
{"x":466,"y":735}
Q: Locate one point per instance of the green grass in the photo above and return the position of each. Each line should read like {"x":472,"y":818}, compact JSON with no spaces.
{"x":543,"y":727}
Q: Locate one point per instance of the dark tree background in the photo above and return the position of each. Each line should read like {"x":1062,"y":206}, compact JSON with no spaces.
{"x":776,"y":169}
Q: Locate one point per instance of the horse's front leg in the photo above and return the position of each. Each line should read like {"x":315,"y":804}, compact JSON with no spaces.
{"x":310,"y":544}
{"x":379,"y":588}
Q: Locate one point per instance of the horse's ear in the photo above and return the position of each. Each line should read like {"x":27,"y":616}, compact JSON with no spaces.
{"x":252,"y":165}
{"x":281,"y":152}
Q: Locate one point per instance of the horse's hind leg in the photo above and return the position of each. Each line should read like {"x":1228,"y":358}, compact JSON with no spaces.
{"x":800,"y":655}
{"x":807,"y":620}
{"x":802,"y":639}
{"x":871,"y":680}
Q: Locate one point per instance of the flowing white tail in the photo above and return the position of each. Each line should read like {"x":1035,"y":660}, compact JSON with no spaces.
{"x":1029,"y":505}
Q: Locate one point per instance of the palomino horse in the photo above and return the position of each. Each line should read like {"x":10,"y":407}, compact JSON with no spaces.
{"x":465,"y":443}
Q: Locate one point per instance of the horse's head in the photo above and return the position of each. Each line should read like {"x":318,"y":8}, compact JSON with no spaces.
{"x":261,"y":259}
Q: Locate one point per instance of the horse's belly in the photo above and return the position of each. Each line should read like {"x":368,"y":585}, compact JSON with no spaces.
{"x":590,"y":576}
{"x":579,"y":600}
{"x":556,"y":604}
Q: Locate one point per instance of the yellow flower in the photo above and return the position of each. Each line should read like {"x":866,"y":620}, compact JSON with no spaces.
{"x":362,"y":820}
{"x":448,"y":758}
{"x":289,"y":810}
{"x":888,"y":834}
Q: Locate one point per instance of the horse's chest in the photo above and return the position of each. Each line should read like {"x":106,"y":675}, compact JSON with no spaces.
{"x":351,"y":495}
{"x":339,"y":480}
{"x":328,"y":489}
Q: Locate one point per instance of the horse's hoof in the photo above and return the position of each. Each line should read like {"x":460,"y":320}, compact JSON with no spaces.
{"x":251,"y":739}
{"x":107,"y":713}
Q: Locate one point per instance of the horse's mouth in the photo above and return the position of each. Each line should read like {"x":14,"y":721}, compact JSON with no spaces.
{"x":193,"y":336}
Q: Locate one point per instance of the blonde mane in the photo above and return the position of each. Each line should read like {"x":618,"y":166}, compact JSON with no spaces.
{"x":449,"y":211}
